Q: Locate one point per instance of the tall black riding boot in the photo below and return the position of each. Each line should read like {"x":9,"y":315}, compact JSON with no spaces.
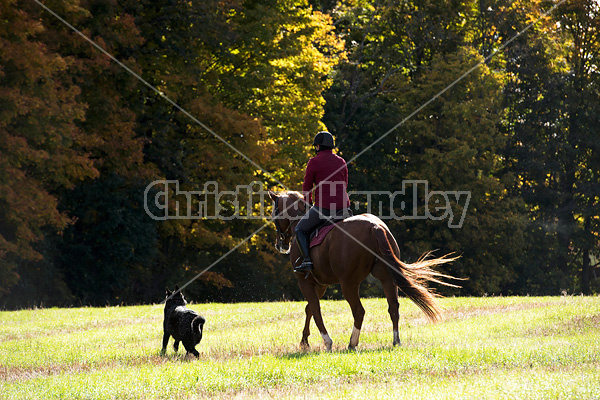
{"x":303,"y":244}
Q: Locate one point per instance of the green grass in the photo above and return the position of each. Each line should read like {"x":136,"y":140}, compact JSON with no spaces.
{"x":486,"y":348}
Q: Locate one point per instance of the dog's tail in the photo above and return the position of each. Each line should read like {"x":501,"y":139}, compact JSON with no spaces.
{"x":197,"y":327}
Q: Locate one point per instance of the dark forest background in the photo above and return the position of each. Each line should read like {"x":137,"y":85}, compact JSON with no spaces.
{"x":81,"y":138}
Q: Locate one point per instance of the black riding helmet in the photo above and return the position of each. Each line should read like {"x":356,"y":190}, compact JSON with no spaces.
{"x":324,"y":139}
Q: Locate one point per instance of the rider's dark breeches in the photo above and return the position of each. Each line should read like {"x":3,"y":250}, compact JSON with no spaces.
{"x":312,"y":219}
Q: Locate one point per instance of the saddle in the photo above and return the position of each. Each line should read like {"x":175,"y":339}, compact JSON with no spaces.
{"x":320,"y":232}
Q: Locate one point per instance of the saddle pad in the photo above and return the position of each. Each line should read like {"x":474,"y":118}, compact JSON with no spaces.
{"x":320,"y":234}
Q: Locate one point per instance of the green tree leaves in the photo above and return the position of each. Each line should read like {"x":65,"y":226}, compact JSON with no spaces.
{"x":80,"y":137}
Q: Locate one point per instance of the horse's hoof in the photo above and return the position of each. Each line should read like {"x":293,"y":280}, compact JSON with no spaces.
{"x":351,"y":348}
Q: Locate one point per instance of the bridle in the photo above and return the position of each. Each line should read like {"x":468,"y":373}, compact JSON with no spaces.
{"x":282,"y":236}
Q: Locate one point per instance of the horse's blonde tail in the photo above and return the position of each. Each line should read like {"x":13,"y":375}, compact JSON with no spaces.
{"x":412,"y":279}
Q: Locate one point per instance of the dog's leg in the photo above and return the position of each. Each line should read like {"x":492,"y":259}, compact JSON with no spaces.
{"x":191,"y":349}
{"x":165,"y":343}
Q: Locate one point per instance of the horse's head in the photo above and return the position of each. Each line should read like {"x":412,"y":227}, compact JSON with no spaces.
{"x":288,"y":208}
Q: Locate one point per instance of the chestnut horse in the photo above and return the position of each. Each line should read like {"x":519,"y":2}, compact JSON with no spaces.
{"x":357,"y":246}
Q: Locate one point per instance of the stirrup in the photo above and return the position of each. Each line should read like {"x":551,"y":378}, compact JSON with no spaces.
{"x":306,"y":266}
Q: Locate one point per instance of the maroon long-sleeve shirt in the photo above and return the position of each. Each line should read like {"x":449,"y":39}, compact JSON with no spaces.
{"x":327,"y":174}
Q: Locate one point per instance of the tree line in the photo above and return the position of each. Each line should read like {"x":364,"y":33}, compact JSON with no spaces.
{"x":81,"y":138}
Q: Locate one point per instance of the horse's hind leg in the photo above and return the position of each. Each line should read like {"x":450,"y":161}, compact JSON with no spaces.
{"x":390,"y":289}
{"x":306,"y":332}
{"x":350,"y":293}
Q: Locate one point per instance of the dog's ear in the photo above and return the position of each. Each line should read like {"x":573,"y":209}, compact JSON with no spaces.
{"x":168,"y":291}
{"x":176,"y":288}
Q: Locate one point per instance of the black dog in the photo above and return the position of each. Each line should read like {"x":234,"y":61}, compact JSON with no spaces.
{"x":183,"y":324}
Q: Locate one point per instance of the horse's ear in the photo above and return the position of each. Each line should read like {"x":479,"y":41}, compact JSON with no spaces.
{"x":273,"y":195}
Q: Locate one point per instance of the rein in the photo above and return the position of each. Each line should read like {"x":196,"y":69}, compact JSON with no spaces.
{"x":285,"y":235}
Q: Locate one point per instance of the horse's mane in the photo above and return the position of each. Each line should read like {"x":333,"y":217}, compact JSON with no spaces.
{"x":293,"y":194}
{"x":296,"y":198}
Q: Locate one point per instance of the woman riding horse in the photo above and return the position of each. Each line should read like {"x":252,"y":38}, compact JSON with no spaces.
{"x":356,"y":247}
{"x":327,"y":176}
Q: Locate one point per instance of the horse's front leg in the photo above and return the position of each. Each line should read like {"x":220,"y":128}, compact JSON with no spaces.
{"x":306,"y":332}
{"x":312,"y":294}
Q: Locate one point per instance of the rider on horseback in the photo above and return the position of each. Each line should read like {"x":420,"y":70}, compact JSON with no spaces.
{"x":327,"y":177}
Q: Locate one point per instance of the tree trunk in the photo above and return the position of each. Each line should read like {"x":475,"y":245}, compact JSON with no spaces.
{"x":586,"y":268}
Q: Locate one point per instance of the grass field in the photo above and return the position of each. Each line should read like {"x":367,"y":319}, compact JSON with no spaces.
{"x":486,"y":348}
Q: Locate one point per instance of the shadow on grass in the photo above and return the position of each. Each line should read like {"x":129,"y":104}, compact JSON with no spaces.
{"x":180,"y":356}
{"x":312,"y":353}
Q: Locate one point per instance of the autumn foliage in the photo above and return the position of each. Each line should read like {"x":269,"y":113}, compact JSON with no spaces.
{"x":81,"y":137}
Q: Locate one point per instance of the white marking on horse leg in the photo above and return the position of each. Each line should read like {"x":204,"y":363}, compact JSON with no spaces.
{"x":354,"y":337}
{"x":327,"y":340}
{"x":396,"y":338}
